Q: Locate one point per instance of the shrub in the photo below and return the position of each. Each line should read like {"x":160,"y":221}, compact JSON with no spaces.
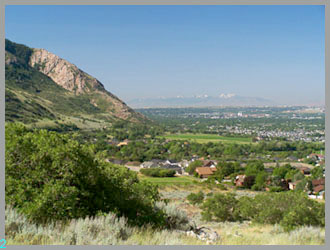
{"x":317,"y":172}
{"x":282,"y":171}
{"x":300,"y":215}
{"x":175,"y":218}
{"x":289,"y":209}
{"x":222,"y":187}
{"x":302,"y":185}
{"x":298,"y":176}
{"x":260,"y":181}
{"x":220,"y":207}
{"x":275,"y":189}
{"x":192,"y":166}
{"x":253,"y":168}
{"x":249,"y":181}
{"x":52,"y":177}
{"x":196,"y":198}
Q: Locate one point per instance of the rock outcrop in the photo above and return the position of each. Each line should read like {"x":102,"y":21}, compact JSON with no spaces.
{"x":59,"y":86}
{"x":64,"y":73}
{"x":71,"y":78}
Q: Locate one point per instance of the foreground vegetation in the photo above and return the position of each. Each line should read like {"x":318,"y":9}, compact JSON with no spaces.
{"x":109,"y":230}
{"x":52,"y":177}
{"x":61,"y":191}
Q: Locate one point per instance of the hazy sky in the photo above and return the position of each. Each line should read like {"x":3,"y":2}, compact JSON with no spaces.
{"x":275,"y":52}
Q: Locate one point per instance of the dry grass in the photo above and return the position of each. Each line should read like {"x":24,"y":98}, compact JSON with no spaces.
{"x":249,"y":234}
{"x":109,"y":230}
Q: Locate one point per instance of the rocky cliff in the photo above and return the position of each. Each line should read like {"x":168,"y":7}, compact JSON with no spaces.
{"x":79,"y":92}
{"x":70,"y":77}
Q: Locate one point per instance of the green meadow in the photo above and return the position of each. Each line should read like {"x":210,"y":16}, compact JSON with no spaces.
{"x":205,"y":138}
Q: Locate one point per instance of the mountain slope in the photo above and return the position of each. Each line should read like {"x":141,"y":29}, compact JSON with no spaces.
{"x":40,"y":85}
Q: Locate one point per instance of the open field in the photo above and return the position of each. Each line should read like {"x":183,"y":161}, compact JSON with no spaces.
{"x":293,"y":164}
{"x":205,"y":138}
{"x":177,"y":180}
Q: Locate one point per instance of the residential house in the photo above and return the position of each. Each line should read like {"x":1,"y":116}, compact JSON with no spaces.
{"x":304,"y":170}
{"x":204,"y":172}
{"x":239,"y":180}
{"x":318,"y":185}
{"x":158,"y":161}
{"x":194,"y":158}
{"x":318,"y":189}
{"x":317,"y":157}
{"x":133,"y":164}
{"x":292,"y":185}
{"x":243,"y":180}
{"x":172,"y":162}
{"x":149,"y":164}
{"x":211,"y":164}
{"x":184,"y":163}
{"x":213,"y":169}
{"x":116,"y":161}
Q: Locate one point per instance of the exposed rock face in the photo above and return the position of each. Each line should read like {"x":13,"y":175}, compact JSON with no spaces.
{"x":62,"y":72}
{"x":70,"y":77}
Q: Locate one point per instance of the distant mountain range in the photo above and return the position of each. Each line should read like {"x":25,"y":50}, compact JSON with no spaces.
{"x":40,"y":86}
{"x":200,"y":101}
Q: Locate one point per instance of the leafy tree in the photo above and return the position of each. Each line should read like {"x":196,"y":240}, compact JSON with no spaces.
{"x":50,"y":176}
{"x":228,"y":168}
{"x":193,"y":165}
{"x":282,"y":171}
{"x":260,"y":181}
{"x":317,"y":172}
{"x":290,"y":174}
{"x":253,"y":168}
{"x":220,"y":207}
{"x":302,"y":185}
{"x":298,"y":176}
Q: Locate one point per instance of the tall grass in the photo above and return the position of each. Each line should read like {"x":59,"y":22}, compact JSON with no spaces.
{"x":99,"y":230}
{"x":110,"y":230}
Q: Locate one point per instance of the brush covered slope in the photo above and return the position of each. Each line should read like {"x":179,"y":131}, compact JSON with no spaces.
{"x":42,"y":88}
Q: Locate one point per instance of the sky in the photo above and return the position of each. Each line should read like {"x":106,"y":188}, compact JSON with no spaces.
{"x":273,"y":52}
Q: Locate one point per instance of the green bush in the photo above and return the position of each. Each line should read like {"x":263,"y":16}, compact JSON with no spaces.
{"x":157,"y":172}
{"x":196,"y":198}
{"x":253,"y":168}
{"x":260,"y":181}
{"x":282,"y":171}
{"x":302,"y":185}
{"x":175,"y":218}
{"x":192,"y":166}
{"x":221,"y":186}
{"x":289,"y":209}
{"x":52,"y":177}
{"x":220,"y":207}
{"x":275,"y":189}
